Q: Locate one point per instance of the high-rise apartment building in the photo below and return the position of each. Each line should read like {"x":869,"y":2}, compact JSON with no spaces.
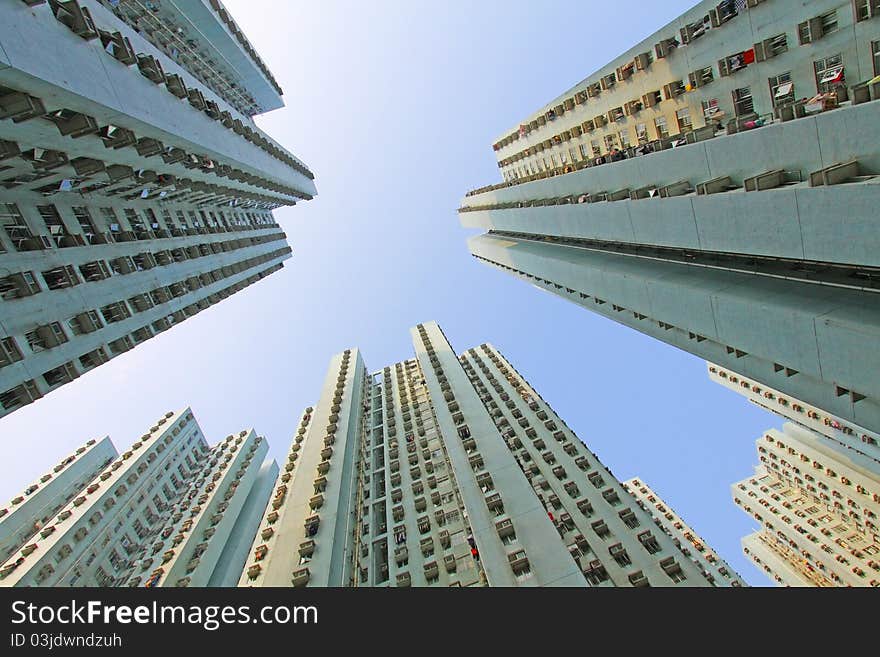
{"x":196,"y":533}
{"x":41,"y":500}
{"x":714,"y":568}
{"x":135,"y":188}
{"x":817,"y":504}
{"x":713,"y":187}
{"x":450,"y":470}
{"x":100,"y":525}
{"x":836,"y":429}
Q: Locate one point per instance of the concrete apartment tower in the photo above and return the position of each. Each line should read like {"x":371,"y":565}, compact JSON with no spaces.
{"x":208,"y":523}
{"x":695,"y":548}
{"x":833,"y":428}
{"x":649,"y":193}
{"x":39,"y":502}
{"x":450,"y":470}
{"x":135,"y":188}
{"x":101,"y":524}
{"x":817,"y":505}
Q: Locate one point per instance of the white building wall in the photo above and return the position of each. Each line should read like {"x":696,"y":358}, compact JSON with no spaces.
{"x":437,"y":496}
{"x":237,"y":547}
{"x":695,"y":548}
{"x":89,"y":541}
{"x":189,"y":546}
{"x":28,"y":512}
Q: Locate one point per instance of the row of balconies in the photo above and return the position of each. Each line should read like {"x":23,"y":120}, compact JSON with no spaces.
{"x":28,"y":391}
{"x":20,"y":106}
{"x":79,"y":21}
{"x":642,"y":61}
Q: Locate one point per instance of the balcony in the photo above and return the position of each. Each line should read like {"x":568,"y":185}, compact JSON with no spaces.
{"x":638,"y":579}
{"x":504,"y":528}
{"x":404,"y":580}
{"x":431,"y":569}
{"x":316,"y":502}
{"x":495,"y":503}
{"x":519,"y":562}
{"x":307,"y":548}
{"x":301,"y":577}
{"x":311,"y":525}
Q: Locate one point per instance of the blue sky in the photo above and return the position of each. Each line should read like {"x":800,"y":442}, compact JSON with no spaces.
{"x":394,"y":106}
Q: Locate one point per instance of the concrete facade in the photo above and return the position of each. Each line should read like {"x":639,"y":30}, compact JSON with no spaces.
{"x":836,"y":429}
{"x":754,"y":248}
{"x":695,"y":548}
{"x":92,"y":538}
{"x":450,"y":470}
{"x":27,"y":513}
{"x":188,"y":548}
{"x":135,"y":188}
{"x":817,"y":505}
{"x":170,"y":511}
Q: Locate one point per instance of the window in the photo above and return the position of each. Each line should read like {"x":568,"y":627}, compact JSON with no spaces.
{"x":775,"y":46}
{"x":61,"y":277}
{"x":623,"y":136}
{"x":781,"y":89}
{"x":662,"y":129}
{"x":610,"y":142}
{"x":16,"y":227}
{"x":683,"y":116}
{"x":583,"y":149}
{"x":829,"y":22}
{"x":865,"y":9}
{"x":736,"y":62}
{"x":594,"y":144}
{"x":829,"y":73}
{"x":9,"y":352}
{"x":85,"y":221}
{"x":701,"y":77}
{"x":620,"y":556}
{"x":711,"y":109}
{"x":46,"y":337}
{"x":642,"y":132}
{"x":815,"y":28}
{"x":742,"y":101}
{"x":54,"y":223}
{"x":875,"y":53}
{"x":59,"y":375}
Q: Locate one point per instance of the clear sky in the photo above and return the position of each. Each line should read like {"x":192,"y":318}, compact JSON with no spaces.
{"x":395,"y":105}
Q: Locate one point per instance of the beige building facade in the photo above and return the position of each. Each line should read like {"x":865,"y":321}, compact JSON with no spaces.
{"x":816,"y":504}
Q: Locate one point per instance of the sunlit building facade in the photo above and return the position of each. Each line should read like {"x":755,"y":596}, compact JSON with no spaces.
{"x":714,"y":187}
{"x":817,"y":506}
{"x":135,"y":188}
{"x":450,"y":470}
{"x":692,"y":545}
{"x":168,"y":511}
